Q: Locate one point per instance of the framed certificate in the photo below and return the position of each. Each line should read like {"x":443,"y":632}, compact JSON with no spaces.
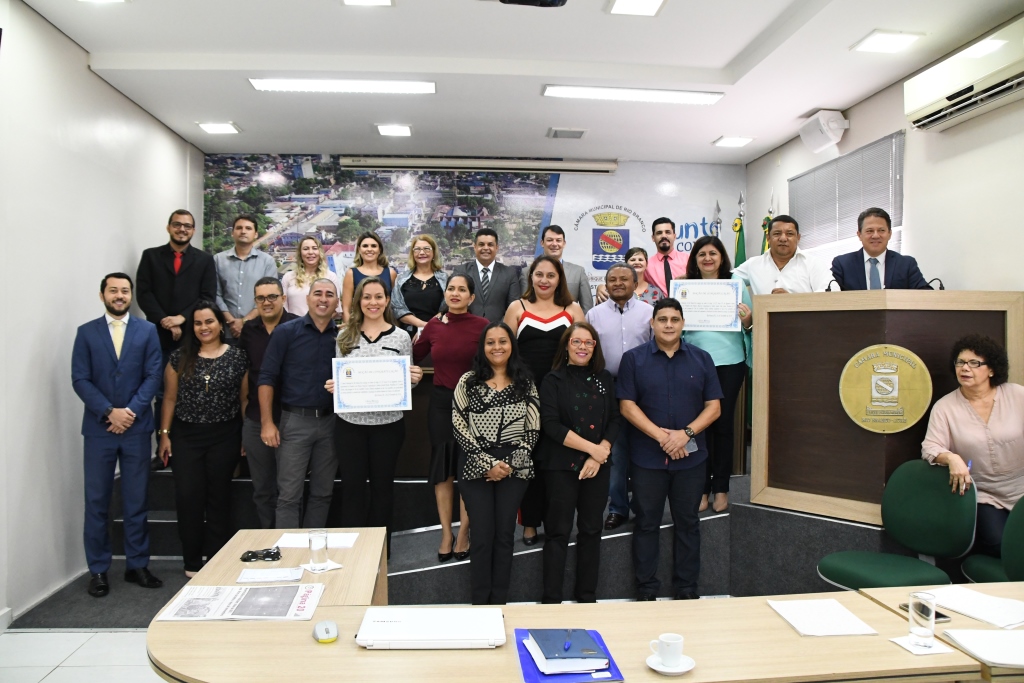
{"x":365,"y":385}
{"x":709,"y":305}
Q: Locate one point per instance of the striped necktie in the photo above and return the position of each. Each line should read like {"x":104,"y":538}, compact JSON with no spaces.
{"x":485,"y":283}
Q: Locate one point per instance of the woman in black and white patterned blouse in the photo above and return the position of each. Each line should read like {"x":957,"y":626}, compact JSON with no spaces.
{"x":497,"y":424}
{"x":205,"y":385}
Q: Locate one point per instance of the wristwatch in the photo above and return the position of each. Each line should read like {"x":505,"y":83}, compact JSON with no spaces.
{"x":108,"y":411}
{"x":689,"y":432}
{"x":161,"y":432}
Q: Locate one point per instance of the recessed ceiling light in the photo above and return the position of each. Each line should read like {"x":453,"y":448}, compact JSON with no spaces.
{"x":345,"y":86}
{"x":726,"y":141}
{"x":885,"y":41}
{"x":632,"y":94}
{"x":985,"y":47}
{"x":369,"y":3}
{"x":640,"y":8}
{"x":394,"y":129}
{"x":103,"y":2}
{"x":219,"y":128}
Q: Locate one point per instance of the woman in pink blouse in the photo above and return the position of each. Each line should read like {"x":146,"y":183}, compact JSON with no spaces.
{"x":977,"y":432}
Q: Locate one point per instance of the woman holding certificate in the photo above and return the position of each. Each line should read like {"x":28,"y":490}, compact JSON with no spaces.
{"x":730,"y":351}
{"x":451,"y":339}
{"x":367,"y":443}
{"x":496,"y":423}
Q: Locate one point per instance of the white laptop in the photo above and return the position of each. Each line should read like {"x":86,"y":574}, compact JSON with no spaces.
{"x":431,"y":628}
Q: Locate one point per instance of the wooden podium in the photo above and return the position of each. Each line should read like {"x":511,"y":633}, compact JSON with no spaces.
{"x":807,"y":454}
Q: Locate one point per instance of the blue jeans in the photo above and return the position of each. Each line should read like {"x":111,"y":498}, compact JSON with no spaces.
{"x":988,"y":534}
{"x":618,"y":490}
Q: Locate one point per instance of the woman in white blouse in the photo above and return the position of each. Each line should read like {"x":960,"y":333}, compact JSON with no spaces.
{"x":977,"y":432}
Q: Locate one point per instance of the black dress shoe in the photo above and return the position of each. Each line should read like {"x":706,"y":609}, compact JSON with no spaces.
{"x":613,"y":521}
{"x":98,"y":586}
{"x":531,"y":540}
{"x":461,"y":555}
{"x":647,"y":597}
{"x":143,"y":578}
{"x":689,"y":595}
{"x":444,"y":557}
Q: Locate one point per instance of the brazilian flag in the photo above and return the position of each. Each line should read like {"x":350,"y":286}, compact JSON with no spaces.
{"x":764,"y":228}
{"x":741,"y":242}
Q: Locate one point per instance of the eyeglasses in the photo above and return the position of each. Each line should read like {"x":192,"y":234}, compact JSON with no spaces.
{"x":588,"y":343}
{"x":975,"y":364}
{"x":420,"y":250}
{"x":268,"y":555}
{"x":178,"y":226}
{"x":269,"y":297}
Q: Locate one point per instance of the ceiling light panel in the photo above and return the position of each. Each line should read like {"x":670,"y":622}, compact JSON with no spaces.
{"x":394,"y":130}
{"x":728,"y":141}
{"x":344,"y":86}
{"x":639,"y":8}
{"x":219,"y":128}
{"x":104,"y":2}
{"x":369,"y":3}
{"x":885,"y":41}
{"x":632,"y":94}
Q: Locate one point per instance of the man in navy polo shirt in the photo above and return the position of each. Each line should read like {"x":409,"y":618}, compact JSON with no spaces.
{"x":669,"y":392}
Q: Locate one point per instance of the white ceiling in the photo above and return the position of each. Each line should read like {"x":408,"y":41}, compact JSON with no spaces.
{"x":187,"y":61}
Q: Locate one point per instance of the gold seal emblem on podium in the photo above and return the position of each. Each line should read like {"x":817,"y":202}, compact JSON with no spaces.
{"x":885,"y":388}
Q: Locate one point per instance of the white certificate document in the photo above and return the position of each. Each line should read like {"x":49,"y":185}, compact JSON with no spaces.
{"x":709,"y":305}
{"x":366,"y":385}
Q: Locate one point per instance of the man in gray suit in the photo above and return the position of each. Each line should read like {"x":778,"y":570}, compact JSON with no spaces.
{"x":496,"y":284}
{"x":552,"y":239}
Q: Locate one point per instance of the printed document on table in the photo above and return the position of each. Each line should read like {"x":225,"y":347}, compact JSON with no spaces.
{"x":244,"y":603}
{"x":1001,"y":612}
{"x":821,"y":618}
{"x":995,"y":648}
{"x":283,"y":575}
{"x":334,"y":540}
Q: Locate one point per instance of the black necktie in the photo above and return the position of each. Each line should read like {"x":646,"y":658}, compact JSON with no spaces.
{"x":668,"y":276}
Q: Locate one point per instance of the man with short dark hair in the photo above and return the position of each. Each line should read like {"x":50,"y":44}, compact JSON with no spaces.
{"x":666,"y":264}
{"x":299,"y":359}
{"x":784,"y":268}
{"x":669,"y":393}
{"x":269,"y":298}
{"x":623,"y":322}
{"x":238,"y":269}
{"x":496,"y":284}
{"x":874,"y":266}
{"x":552,"y":240}
{"x":116,"y":367}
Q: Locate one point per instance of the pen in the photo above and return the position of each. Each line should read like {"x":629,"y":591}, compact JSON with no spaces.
{"x":568,"y":640}
{"x":969,"y":463}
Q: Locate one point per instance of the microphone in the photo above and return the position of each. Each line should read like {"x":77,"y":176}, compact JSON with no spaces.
{"x":830,"y":283}
{"x":942,"y":287}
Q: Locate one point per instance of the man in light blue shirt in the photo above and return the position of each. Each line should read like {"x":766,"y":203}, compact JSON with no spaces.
{"x":623,"y":322}
{"x":238,"y":271}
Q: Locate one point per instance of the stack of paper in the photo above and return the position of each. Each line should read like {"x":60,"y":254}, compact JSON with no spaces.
{"x":1001,"y":612}
{"x":995,"y":648}
{"x":821,"y":618}
{"x":285,"y":575}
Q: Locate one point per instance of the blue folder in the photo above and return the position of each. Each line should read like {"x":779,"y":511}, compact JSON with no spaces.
{"x":531,"y":674}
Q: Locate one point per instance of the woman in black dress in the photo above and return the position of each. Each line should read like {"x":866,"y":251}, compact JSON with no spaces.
{"x":419,"y":291}
{"x":205,"y":385}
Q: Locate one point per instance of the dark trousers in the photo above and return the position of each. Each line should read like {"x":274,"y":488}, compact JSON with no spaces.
{"x":307,"y":445}
{"x":988,"y":532}
{"x":492,"y":511}
{"x":367,"y":455}
{"x":720,"y":437}
{"x":532,"y":507}
{"x":262,"y":461}
{"x":568,"y":496}
{"x":683,"y":489}
{"x":618,"y":487}
{"x":205,"y":456}
{"x":102,"y":453}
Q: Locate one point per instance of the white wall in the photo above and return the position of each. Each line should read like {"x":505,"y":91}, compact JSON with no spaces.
{"x":962,"y":209}
{"x":87,"y":180}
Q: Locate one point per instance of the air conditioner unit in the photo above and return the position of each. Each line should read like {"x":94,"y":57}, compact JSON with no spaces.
{"x":478,"y":164}
{"x":985,"y":75}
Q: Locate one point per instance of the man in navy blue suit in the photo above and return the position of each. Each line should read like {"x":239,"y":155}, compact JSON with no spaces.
{"x":115,"y":370}
{"x":874,"y":266}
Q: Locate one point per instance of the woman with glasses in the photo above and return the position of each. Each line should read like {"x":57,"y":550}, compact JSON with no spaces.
{"x":580,"y":421}
{"x":310,"y":265}
{"x":369,"y":261}
{"x":977,"y":431}
{"x":419,"y":291}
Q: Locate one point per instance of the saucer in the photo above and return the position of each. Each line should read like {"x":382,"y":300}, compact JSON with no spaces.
{"x":687,"y":663}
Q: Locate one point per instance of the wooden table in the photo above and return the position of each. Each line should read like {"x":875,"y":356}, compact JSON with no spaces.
{"x":362,"y":580}
{"x":732,"y":640}
{"x":890,"y":598}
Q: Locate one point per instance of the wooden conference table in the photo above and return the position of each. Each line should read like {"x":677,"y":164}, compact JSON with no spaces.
{"x":890,"y":598}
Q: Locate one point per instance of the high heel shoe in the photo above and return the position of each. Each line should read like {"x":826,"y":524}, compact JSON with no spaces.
{"x":460,"y":555}
{"x":444,"y":557}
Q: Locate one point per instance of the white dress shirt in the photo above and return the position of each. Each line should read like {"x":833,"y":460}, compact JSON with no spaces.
{"x":480,"y":270}
{"x":867,"y":269}
{"x":802,"y":274}
{"x":110,"y":323}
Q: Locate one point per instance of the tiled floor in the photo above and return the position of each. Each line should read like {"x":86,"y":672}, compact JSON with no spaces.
{"x":75,"y":657}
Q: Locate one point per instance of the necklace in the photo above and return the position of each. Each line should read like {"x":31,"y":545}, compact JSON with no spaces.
{"x":209,"y":370}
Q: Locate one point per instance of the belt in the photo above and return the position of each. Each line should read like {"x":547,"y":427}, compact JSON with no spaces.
{"x":307,"y":412}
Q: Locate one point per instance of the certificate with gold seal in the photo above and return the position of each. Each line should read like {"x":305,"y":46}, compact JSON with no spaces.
{"x":371,"y":384}
{"x":709,"y":305}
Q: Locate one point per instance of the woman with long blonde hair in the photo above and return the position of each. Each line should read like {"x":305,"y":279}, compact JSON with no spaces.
{"x":419,"y":291}
{"x":369,"y":261}
{"x":310,"y":265}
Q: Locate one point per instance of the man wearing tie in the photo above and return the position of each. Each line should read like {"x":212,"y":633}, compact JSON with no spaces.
{"x":115,"y":369}
{"x":496,"y":284}
{"x":667,"y":264}
{"x":874,"y":266}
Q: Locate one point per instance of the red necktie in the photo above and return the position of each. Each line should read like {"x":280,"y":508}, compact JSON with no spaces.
{"x":177,"y":262}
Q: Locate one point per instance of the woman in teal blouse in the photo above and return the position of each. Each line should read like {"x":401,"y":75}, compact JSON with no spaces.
{"x":731,"y":353}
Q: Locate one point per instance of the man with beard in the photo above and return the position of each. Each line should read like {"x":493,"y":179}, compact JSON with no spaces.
{"x":238,"y":270}
{"x":667,"y":264}
{"x":115,"y":370}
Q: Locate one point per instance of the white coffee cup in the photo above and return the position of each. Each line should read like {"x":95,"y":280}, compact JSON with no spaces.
{"x":669,"y":648}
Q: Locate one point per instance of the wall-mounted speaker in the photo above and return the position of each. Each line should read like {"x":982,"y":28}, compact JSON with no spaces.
{"x":824,"y":129}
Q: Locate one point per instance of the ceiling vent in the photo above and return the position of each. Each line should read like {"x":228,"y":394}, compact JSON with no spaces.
{"x":566,"y":133}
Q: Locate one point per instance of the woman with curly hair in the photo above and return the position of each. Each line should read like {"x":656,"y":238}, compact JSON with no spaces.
{"x":310,"y":265}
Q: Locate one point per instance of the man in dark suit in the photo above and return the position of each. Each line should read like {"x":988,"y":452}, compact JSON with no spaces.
{"x":172,"y":278}
{"x":496,"y":284}
{"x":115,"y":370}
{"x":874,"y":266}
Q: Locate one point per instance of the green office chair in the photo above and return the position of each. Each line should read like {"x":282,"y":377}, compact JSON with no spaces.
{"x":920,"y":512}
{"x":985,"y":569}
